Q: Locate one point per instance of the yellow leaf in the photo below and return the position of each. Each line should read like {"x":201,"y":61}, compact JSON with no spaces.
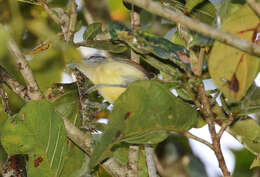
{"x":233,"y":70}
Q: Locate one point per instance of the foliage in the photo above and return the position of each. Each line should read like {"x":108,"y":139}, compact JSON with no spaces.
{"x":147,"y":112}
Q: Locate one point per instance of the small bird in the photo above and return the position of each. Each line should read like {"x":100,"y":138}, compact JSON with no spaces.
{"x":110,"y":76}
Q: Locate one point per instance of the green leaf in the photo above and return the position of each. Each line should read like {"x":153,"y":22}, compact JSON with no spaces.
{"x":3,"y":41}
{"x":243,"y":159}
{"x":92,"y":31}
{"x":233,"y":76}
{"x":146,"y":107}
{"x":190,"y":4}
{"x":247,"y":131}
{"x":37,"y":130}
{"x":105,"y":45}
{"x":120,"y":153}
{"x":65,"y":99}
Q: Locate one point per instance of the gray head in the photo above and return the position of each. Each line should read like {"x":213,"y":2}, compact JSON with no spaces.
{"x":94,"y":59}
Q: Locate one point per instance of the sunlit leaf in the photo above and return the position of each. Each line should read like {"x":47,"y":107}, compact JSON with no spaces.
{"x":190,"y":4}
{"x":120,"y":153}
{"x":233,"y":70}
{"x":143,"y":101}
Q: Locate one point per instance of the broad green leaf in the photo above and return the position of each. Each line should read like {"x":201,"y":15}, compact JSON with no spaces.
{"x":232,"y":70}
{"x":105,"y":45}
{"x":65,"y":99}
{"x":92,"y":31}
{"x":247,"y":131}
{"x":37,"y":130}
{"x":146,"y":107}
{"x":147,"y":43}
{"x":256,"y":162}
{"x":243,"y":159}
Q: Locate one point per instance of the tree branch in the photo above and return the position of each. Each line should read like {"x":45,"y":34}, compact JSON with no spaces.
{"x":255,"y":6}
{"x":189,"y":135}
{"x":33,"y":90}
{"x":4,"y":97}
{"x":149,"y":153}
{"x":133,"y":161}
{"x":206,"y":110}
{"x":87,"y":15}
{"x":227,"y":38}
{"x":13,"y":84}
{"x":73,"y":21}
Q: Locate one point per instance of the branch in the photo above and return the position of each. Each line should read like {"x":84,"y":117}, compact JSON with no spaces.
{"x":73,"y":20}
{"x":51,"y":13}
{"x":87,"y":15}
{"x":13,"y":84}
{"x":4,"y":97}
{"x":206,"y":110}
{"x":225,"y":126}
{"x":149,"y":153}
{"x":33,"y":90}
{"x":133,"y":161}
{"x":189,"y":135}
{"x":135,"y":22}
{"x":206,"y":30}
{"x":255,"y":6}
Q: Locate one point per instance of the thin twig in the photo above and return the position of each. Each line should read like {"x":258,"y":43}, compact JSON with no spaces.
{"x":33,"y":89}
{"x":189,"y":135}
{"x":206,"y":110}
{"x":51,"y":13}
{"x":73,"y":21}
{"x":225,"y":126}
{"x":135,"y":23}
{"x":227,"y":38}
{"x":149,"y":153}
{"x":133,"y":161}
{"x":4,"y":97}
{"x":255,"y":6}
{"x":13,"y":84}
{"x":87,"y":15}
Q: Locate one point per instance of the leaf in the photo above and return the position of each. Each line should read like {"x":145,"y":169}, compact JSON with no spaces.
{"x":65,"y":99}
{"x":247,"y":131}
{"x":146,"y":107}
{"x":232,"y":70}
{"x":243,"y":159}
{"x":256,"y":162}
{"x":190,"y":4}
{"x":120,"y":153}
{"x":92,"y":31}
{"x":37,"y":130}
{"x":105,"y":45}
